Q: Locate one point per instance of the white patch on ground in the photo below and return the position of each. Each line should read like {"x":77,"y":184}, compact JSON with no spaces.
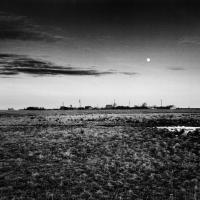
{"x":186,"y":129}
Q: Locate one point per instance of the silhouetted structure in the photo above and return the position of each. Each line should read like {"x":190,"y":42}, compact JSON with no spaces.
{"x":143,"y":106}
{"x":165,"y":107}
{"x":88,"y":107}
{"x":34,"y":108}
{"x":66,"y":108}
{"x":109,"y":106}
{"x":122,"y":107}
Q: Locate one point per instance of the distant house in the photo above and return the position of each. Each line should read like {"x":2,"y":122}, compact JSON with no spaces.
{"x":11,"y":109}
{"x":80,"y":108}
{"x":34,"y":108}
{"x":172,"y":107}
{"x":66,"y":108}
{"x":109,"y":106}
{"x":88,"y":107}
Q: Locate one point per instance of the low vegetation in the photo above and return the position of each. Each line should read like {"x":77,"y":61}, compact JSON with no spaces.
{"x":52,"y":156}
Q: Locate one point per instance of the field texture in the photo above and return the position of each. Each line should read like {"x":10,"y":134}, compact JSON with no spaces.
{"x":98,"y":155}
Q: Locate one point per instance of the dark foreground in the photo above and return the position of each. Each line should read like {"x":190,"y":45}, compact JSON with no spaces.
{"x":62,"y":155}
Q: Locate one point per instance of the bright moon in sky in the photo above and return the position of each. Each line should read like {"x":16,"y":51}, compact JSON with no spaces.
{"x":148,"y":59}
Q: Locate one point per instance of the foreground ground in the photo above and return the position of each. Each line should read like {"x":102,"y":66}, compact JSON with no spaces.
{"x":98,"y":155}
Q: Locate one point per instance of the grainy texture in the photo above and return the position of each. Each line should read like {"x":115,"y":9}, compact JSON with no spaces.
{"x":98,"y":155}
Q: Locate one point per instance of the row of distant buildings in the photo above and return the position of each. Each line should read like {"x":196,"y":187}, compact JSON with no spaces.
{"x":107,"y":107}
{"x":115,"y":106}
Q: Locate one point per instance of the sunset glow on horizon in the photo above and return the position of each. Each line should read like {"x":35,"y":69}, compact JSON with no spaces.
{"x":62,"y":51}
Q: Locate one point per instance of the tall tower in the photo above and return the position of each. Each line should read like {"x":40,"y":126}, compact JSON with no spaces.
{"x":114,"y":104}
{"x":79,"y":101}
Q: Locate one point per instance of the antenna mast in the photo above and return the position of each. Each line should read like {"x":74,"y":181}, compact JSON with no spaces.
{"x":79,"y":101}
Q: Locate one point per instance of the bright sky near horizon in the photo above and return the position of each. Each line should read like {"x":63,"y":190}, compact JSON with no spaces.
{"x":62,"y":51}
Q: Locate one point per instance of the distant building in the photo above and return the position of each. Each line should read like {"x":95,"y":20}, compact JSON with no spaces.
{"x":88,"y":107}
{"x":109,"y":106}
{"x":11,"y":109}
{"x":172,"y":107}
{"x":64,"y":108}
{"x":80,"y":108}
{"x":34,"y":108}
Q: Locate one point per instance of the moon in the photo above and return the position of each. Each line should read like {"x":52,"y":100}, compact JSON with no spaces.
{"x":148,"y":60}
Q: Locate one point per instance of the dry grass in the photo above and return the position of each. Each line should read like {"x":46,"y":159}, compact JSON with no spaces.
{"x":52,"y":155}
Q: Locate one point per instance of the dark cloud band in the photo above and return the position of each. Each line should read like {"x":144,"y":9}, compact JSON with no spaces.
{"x":11,"y":64}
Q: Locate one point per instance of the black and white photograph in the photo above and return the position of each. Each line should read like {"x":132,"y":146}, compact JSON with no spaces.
{"x":99,"y":100}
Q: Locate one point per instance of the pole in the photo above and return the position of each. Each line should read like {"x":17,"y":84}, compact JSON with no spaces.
{"x":79,"y":102}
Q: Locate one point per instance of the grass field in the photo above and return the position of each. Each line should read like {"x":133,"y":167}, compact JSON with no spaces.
{"x":99,"y":155}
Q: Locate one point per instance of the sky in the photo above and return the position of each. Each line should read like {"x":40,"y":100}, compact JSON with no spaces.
{"x":98,"y":51}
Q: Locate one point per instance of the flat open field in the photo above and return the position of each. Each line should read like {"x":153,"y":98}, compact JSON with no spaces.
{"x":116,"y":154}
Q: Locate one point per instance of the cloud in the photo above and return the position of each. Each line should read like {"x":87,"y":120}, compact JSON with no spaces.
{"x":192,"y":40}
{"x":12,"y":65}
{"x":22,"y":28}
{"x":176,"y":68}
{"x":129,"y":73}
